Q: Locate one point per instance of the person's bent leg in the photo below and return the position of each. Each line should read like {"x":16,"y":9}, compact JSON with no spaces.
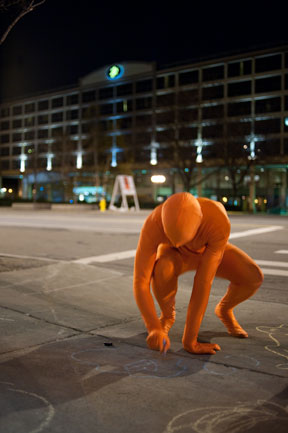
{"x":165,"y":283}
{"x":245,"y":278}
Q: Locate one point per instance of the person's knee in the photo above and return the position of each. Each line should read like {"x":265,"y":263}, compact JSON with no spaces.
{"x":165,"y":269}
{"x":258,"y":276}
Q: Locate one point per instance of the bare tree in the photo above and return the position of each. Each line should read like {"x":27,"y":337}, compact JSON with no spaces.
{"x":15,"y":10}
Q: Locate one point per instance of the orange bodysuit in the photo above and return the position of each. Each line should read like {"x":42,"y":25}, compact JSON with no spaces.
{"x":182,"y":234}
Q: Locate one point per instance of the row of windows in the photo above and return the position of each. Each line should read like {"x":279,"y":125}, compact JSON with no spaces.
{"x":190,"y":97}
{"x":231,"y":129}
{"x":267,"y":105}
{"x":209,"y":73}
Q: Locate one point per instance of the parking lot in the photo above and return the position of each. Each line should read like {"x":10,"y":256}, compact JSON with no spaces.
{"x":73,"y":353}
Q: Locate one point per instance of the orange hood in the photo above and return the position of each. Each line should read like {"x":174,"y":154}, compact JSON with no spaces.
{"x":181,"y":217}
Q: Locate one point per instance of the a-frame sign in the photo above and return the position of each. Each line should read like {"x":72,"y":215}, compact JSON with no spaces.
{"x":126,"y":187}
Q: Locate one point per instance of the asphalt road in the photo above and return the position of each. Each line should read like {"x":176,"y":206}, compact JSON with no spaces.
{"x":73,"y":356}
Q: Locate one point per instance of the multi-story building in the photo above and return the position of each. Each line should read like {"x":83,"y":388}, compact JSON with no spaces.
{"x":217,"y":127}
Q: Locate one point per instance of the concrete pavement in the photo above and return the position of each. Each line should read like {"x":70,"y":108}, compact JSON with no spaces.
{"x":73,"y":356}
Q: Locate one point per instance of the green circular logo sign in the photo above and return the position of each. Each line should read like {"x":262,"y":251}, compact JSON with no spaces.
{"x":114,"y":72}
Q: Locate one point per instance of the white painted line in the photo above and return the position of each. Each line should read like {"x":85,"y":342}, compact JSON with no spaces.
{"x":278,"y":272}
{"x":272,"y":263}
{"x":107,"y":257}
{"x":281,"y":252}
{"x":131,"y":253}
{"x":255,"y":232}
{"x":17,"y":256}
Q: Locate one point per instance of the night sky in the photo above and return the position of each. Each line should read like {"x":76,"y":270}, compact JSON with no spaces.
{"x":63,"y":40}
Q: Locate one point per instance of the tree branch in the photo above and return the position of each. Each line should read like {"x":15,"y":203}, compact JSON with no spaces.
{"x":29,"y":7}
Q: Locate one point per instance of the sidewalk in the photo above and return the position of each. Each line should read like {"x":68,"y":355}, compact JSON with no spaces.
{"x":74,"y":359}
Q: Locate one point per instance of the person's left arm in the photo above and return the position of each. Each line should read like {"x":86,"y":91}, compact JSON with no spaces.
{"x":205,"y":273}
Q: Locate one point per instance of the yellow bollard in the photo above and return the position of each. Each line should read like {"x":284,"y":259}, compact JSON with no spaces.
{"x":102,"y":205}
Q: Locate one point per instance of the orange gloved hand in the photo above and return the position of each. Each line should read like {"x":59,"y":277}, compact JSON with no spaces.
{"x":200,"y":348}
{"x":158,"y":340}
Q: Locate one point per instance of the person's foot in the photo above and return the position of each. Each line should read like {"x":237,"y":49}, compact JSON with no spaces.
{"x":228,"y":319}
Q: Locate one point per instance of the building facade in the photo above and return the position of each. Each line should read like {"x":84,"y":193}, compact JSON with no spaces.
{"x":217,"y":127}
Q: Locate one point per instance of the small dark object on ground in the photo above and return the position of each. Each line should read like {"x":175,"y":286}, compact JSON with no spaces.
{"x":108,"y":344}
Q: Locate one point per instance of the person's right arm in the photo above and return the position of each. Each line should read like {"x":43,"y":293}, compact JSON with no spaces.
{"x":150,"y":238}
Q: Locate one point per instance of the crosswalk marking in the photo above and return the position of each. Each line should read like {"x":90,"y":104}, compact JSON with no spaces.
{"x":281,"y":252}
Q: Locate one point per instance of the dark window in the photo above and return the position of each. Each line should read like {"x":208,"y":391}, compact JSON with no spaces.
{"x":270,"y":84}
{"x":124,"y":123}
{"x":188,"y":133}
{"x":43,"y":119}
{"x":268,"y":63}
{"x":4,"y":138}
{"x":29,"y":135}
{"x":72,"y":99}
{"x":5,"y":125}
{"x":165,"y":100}
{"x":43,"y":133}
{"x":72,"y":114}
{"x":236,"y":69}
{"x":16,"y":150}
{"x":42,"y":148}
{"x":57,"y":102}
{"x":239,"y":108}
{"x":190,"y":77}
{"x":268,"y":126}
{"x":106,"y":109}
{"x":239,"y":88}
{"x":268,"y":105}
{"x":89,"y":96}
{"x":72,"y":129}
{"x":213,"y":112}
{"x":286,"y":103}
{"x":235,"y":129}
{"x":5,"y":164}
{"x":213,"y":73}
{"x":188,"y":115}
{"x":165,"y":82}
{"x":17,"y":110}
{"x":124,"y":89}
{"x":16,"y":164}
{"x":213,"y":92}
{"x":144,"y":86}
{"x":286,"y":81}
{"x":17,"y":123}
{"x":212,"y":131}
{"x":17,"y":136}
{"x":5,"y":112}
{"x":4,"y":151}
{"x":166,"y":135}
{"x":57,"y":117}
{"x":143,"y":103}
{"x":43,"y":105}
{"x":143,"y":121}
{"x":106,"y":92}
{"x":30,"y":108}
{"x":268,"y":147}
{"x":190,"y":97}
{"x":57,"y":132}
{"x":165,"y":117}
{"x":29,"y":121}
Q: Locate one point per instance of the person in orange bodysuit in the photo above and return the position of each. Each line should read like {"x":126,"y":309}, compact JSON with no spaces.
{"x":183,"y":234}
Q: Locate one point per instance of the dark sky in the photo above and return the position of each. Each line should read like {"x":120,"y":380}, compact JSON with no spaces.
{"x":64,"y":40}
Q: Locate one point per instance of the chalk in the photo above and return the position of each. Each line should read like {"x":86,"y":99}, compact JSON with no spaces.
{"x":164,"y":344}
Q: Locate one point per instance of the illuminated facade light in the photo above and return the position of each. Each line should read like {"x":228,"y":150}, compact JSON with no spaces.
{"x":23,"y":163}
{"x":153,"y":156}
{"x":252,"y":149}
{"x":199,"y":143}
{"x":49,"y":162}
{"x":158,"y":178}
{"x":224,"y":199}
{"x":79,"y":161}
{"x":114,"y":157}
{"x":286,"y":121}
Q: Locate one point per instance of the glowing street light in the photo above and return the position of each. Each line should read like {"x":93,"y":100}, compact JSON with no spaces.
{"x":158,"y":178}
